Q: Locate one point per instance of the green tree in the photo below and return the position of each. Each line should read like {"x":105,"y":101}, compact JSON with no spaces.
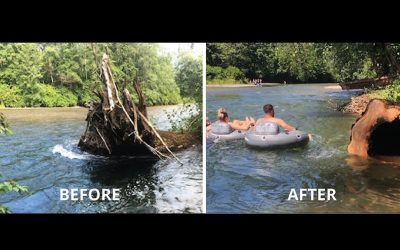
{"x":189,"y":76}
{"x":305,"y":62}
{"x":155,"y":72}
{"x":21,"y":65}
{"x":47,"y":74}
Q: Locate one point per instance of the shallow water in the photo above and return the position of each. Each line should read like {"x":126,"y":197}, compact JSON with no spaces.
{"x":42,"y":154}
{"x":244,"y":180}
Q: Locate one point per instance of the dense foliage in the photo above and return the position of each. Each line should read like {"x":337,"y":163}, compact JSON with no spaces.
{"x":189,"y":76}
{"x":228,"y":75}
{"x":302,"y":62}
{"x":10,"y":185}
{"x":390,"y":93}
{"x":66,"y":74}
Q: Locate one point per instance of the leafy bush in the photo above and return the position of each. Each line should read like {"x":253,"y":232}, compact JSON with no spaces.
{"x":366,"y":71}
{"x":213,"y":72}
{"x":48,"y":96}
{"x":10,"y":96}
{"x":218,"y":75}
{"x":67,"y":98}
{"x":232,"y":72}
{"x":8,"y":186}
{"x":390,"y":93}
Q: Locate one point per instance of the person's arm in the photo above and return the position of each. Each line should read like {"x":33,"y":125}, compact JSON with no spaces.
{"x":284,"y":125}
{"x":243,"y":126}
{"x":256,"y":123}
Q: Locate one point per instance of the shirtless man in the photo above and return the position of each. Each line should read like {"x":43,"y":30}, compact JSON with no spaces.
{"x":270,"y":117}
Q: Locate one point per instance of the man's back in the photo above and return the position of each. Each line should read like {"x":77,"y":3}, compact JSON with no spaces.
{"x":280,"y":122}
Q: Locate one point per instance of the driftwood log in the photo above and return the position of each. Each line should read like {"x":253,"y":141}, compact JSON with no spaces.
{"x":117,"y":125}
{"x":368,"y":83}
{"x":377,"y":131}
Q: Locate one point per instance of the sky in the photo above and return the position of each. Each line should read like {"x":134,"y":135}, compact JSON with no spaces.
{"x":173,"y":48}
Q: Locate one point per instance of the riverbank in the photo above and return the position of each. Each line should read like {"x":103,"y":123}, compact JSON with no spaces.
{"x":239,"y":85}
{"x":158,"y":114}
{"x":44,"y":114}
{"x":357,"y":104}
{"x":243,"y":85}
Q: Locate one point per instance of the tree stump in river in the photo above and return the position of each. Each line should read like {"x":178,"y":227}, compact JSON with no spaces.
{"x":116,"y":125}
{"x":377,"y":131}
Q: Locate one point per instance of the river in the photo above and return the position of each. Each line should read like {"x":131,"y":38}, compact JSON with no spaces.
{"x":42,"y":154}
{"x":244,"y":180}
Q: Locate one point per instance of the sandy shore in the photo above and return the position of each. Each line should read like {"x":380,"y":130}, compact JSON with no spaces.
{"x":43,"y":108}
{"x":241,"y":85}
{"x":230,"y":86}
{"x":334,"y":87}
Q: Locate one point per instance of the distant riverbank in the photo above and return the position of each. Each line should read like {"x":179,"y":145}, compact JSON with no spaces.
{"x":241,"y":85}
{"x":76,"y":112}
{"x":38,"y":108}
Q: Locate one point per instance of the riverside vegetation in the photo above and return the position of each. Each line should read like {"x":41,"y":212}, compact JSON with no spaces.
{"x":65,"y":75}
{"x":305,"y":63}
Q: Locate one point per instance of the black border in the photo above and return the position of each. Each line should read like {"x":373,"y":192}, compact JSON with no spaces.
{"x":203,"y":22}
{"x":137,"y":25}
{"x":305,"y":228}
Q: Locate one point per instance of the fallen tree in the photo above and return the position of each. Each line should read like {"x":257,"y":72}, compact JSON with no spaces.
{"x":116,"y":125}
{"x":377,"y":131}
{"x":368,"y":83}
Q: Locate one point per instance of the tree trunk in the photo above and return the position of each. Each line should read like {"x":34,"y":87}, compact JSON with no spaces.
{"x":377,"y":131}
{"x":114,"y":125}
{"x":119,"y":126}
{"x":367,"y":83}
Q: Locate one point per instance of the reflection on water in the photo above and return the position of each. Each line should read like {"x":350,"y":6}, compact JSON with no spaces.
{"x":243,"y":180}
{"x":42,"y":154}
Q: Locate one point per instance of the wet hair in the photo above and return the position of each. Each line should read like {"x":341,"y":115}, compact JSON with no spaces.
{"x":224,"y":116}
{"x":269,"y":109}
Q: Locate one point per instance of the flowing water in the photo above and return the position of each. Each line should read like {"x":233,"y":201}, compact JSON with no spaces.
{"x":42,"y":154}
{"x":244,"y":180}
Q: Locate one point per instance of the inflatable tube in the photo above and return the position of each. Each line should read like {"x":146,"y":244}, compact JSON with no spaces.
{"x":281,"y":140}
{"x":221,"y":128}
{"x":235,"y":135}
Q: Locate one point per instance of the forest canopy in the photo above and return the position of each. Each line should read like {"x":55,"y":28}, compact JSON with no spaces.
{"x":65,"y":74}
{"x":300,"y":62}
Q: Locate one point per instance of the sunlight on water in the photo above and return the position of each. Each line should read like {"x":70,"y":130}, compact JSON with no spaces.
{"x":244,"y":180}
{"x":43,"y":155}
{"x":59,"y":149}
